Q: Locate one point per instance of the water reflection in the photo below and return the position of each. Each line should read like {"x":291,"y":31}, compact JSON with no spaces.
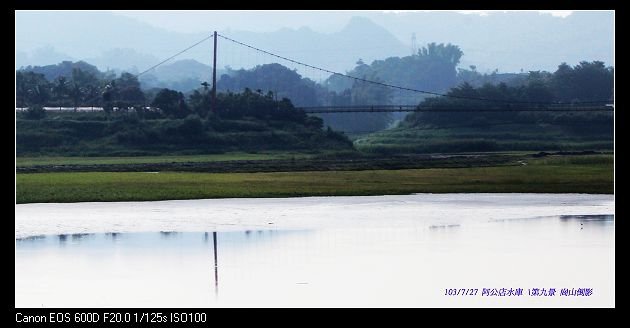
{"x":78,"y":237}
{"x":113,"y":235}
{"x":597,"y":218}
{"x":105,"y":245}
{"x":601,"y":218}
{"x":592,"y":221}
{"x":31,"y":238}
{"x":216,"y":267}
{"x":444,"y":226}
{"x":325,"y":267}
{"x":169,"y":234}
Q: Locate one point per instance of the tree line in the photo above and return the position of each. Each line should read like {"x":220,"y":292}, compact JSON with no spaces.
{"x":273,"y":90}
{"x":587,"y":83}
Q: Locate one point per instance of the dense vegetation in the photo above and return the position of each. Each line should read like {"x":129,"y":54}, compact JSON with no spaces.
{"x":586,"y":83}
{"x":242,"y":122}
{"x":255,"y":110}
{"x":130,"y":136}
{"x":263,"y":120}
{"x":474,"y":128}
{"x":432,"y":68}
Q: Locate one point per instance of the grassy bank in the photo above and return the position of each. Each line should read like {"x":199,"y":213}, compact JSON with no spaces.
{"x":231,"y":156}
{"x":320,"y":162}
{"x":566,"y":174}
{"x":505,"y":137}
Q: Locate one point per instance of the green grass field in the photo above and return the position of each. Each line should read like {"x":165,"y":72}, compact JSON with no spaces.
{"x":75,"y":160}
{"x":508,"y":137}
{"x":563,"y":174}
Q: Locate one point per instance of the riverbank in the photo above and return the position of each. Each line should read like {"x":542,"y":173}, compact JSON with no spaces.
{"x":299,"y":213}
{"x":551,"y":174}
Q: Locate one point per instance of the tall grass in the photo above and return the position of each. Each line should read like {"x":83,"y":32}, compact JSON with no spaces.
{"x":538,"y":176}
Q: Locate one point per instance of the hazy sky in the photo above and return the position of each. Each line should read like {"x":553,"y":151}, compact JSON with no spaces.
{"x":269,"y":20}
{"x":509,"y":41}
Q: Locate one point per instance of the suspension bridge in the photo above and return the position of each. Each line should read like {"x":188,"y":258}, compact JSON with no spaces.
{"x":412,"y":108}
{"x":504,"y":105}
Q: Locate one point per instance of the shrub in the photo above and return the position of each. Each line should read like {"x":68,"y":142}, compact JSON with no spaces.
{"x":35,"y":112}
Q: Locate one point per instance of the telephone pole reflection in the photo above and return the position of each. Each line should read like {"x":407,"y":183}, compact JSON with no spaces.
{"x":216,"y":268}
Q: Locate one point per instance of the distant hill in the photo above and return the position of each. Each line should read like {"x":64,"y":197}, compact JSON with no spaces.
{"x":359,"y":39}
{"x":182,"y":75}
{"x":46,"y":55}
{"x":52,"y":72}
{"x":182,"y":69}
{"x":123,"y":59}
{"x":511,"y":41}
{"x":507,"y":41}
{"x":100,"y":42}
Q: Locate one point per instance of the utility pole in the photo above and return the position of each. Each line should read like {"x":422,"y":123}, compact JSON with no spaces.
{"x":214,"y":76}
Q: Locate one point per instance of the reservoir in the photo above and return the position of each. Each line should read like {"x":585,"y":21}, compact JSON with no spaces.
{"x":421,"y":250}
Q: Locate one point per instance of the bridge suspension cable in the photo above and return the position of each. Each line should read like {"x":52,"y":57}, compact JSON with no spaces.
{"x":406,"y":88}
{"x":158,"y":64}
{"x":175,"y":55}
{"x":364,"y":108}
{"x":409,"y":108}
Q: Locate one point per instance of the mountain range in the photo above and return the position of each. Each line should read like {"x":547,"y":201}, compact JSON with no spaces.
{"x":509,"y":42}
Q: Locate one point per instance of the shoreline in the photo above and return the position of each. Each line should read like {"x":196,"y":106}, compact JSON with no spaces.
{"x":305,"y":213}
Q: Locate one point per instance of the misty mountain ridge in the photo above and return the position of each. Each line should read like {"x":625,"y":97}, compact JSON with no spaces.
{"x":64,"y":69}
{"x":46,"y":55}
{"x":508,"y":41}
{"x":145,"y":45}
{"x":181,"y":75}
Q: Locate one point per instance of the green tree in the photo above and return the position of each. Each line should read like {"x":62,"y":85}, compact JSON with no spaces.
{"x":31,"y":89}
{"x":84,"y":87}
{"x":61,"y":91}
{"x":171,"y":103}
{"x":280,"y":80}
{"x":200,"y":102}
{"x":587,"y":81}
{"x":123,"y":93}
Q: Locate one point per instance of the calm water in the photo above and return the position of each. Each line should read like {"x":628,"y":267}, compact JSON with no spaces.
{"x":325,"y":251}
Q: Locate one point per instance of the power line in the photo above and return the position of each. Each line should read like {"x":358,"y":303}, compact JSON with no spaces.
{"x":394,"y":109}
{"x":364,"y":80}
{"x":401,"y":87}
{"x":160,"y":63}
{"x":175,"y":55}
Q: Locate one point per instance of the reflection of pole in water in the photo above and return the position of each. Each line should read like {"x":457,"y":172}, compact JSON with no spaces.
{"x":216,"y":268}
